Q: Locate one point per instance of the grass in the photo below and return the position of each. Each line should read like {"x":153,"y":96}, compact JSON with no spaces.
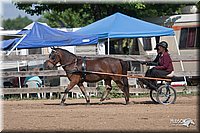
{"x":188,"y":94}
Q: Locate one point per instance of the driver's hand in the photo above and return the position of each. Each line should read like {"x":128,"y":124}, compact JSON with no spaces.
{"x":143,"y":62}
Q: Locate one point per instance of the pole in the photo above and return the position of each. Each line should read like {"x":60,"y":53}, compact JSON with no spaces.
{"x":128,"y":76}
{"x":108,"y":46}
{"x":16,"y":45}
{"x":18,"y":70}
{"x":182,"y":67}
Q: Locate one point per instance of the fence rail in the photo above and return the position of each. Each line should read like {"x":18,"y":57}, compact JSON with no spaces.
{"x":31,"y":90}
{"x":63,"y":74}
{"x":76,"y":90}
{"x":175,"y":58}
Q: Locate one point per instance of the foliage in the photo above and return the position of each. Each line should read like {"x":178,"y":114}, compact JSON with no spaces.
{"x":77,"y":15}
{"x":67,"y":18}
{"x":100,"y":90}
{"x":42,"y":20}
{"x":116,"y":92}
{"x":198,"y":5}
{"x":16,"y":24}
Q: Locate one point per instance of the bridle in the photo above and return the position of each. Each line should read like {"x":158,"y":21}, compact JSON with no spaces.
{"x":75,"y":67}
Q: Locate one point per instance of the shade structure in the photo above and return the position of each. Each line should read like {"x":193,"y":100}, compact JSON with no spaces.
{"x":43,"y":36}
{"x":122,"y":26}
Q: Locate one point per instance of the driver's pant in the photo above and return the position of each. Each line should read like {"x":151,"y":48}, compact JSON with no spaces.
{"x":155,"y":73}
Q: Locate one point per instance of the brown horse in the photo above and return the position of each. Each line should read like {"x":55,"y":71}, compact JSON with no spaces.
{"x":77,"y":68}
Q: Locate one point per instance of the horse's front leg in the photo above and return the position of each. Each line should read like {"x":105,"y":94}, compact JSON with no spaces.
{"x":83,"y":90}
{"x":69,"y":87}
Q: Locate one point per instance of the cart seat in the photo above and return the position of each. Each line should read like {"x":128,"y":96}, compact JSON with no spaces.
{"x":174,"y":78}
{"x":171,"y":75}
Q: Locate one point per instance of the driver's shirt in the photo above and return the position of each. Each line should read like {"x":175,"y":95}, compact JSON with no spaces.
{"x":165,"y":63}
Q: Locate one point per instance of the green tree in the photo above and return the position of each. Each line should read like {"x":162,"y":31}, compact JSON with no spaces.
{"x":16,"y":24}
{"x":67,"y":18}
{"x":76,"y":15}
{"x":198,"y":6}
{"x":42,"y":19}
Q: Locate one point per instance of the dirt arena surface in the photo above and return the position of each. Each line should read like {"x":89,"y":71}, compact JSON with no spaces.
{"x":140,"y":115}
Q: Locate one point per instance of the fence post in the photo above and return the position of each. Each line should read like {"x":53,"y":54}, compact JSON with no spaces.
{"x":45,"y":95}
{"x":51,"y":95}
{"x":27,"y":95}
{"x":21,"y":96}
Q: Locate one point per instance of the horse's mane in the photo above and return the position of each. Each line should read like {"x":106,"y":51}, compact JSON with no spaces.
{"x":65,"y":51}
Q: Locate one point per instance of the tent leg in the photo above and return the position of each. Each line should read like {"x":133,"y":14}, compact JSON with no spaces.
{"x":16,"y":45}
{"x":108,"y":46}
{"x":19,"y":79}
{"x":182,"y":67}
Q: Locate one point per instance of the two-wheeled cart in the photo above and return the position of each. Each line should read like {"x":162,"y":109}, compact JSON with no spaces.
{"x":164,"y":94}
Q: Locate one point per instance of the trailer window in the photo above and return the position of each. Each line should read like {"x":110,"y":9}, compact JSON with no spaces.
{"x":188,"y":38}
{"x":147,"y":44}
{"x":128,"y":46}
{"x":35,"y":51}
{"x":197,"y":40}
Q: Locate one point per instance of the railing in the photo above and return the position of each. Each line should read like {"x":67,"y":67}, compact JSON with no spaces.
{"x":175,"y":58}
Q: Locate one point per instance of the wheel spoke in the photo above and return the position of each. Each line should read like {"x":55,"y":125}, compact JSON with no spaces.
{"x":163,"y":94}
{"x":166,"y":95}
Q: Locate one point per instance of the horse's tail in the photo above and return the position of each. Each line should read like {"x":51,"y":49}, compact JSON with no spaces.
{"x":125,"y":68}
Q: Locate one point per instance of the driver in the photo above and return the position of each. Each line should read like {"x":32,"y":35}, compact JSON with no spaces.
{"x":163,"y":65}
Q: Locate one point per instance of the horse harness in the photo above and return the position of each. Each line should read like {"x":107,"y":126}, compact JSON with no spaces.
{"x":75,"y":69}
{"x":83,"y":67}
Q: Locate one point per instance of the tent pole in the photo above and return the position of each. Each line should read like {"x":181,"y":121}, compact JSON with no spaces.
{"x":108,"y":46}
{"x":16,"y":45}
{"x":182,"y":67}
{"x":18,"y":70}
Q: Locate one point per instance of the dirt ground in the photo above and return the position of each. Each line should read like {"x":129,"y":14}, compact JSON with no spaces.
{"x":140,"y":115}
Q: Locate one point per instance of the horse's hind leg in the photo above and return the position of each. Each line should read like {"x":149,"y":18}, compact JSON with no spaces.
{"x":107,"y":91}
{"x":126,"y":89}
{"x":84,"y":92}
{"x":123,"y":85}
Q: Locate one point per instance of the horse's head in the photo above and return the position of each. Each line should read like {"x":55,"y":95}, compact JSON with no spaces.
{"x":54,"y":58}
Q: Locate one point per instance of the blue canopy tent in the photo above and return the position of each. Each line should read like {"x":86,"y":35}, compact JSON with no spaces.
{"x":7,"y":44}
{"x":43,"y":36}
{"x":122,"y":26}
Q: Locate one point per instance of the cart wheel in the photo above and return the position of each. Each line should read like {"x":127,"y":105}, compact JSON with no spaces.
{"x":166,"y":94}
{"x":153,"y":94}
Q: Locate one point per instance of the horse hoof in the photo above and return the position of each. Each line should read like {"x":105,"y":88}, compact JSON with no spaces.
{"x":100,"y":103}
{"x":127,"y":103}
{"x":87,"y":104}
{"x":62,"y":104}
